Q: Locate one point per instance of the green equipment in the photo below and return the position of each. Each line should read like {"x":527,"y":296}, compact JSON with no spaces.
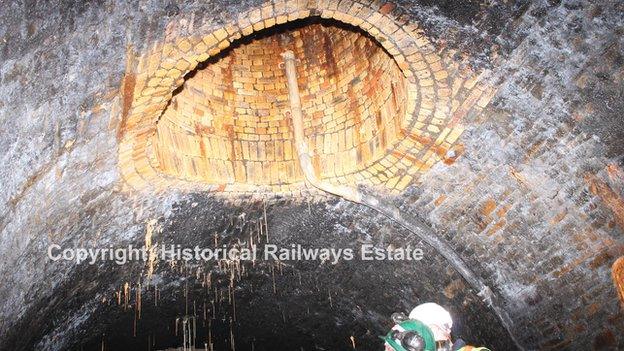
{"x":411,"y":335}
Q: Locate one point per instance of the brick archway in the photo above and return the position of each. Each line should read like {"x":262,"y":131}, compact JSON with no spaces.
{"x":438,"y":93}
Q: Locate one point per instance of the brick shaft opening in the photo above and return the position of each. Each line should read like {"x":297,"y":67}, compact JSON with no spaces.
{"x":206,"y":107}
{"x":229,"y":122}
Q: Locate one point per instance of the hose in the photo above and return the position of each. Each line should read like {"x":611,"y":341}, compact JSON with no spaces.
{"x":412,"y":224}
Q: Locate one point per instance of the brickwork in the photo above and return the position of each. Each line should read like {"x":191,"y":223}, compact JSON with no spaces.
{"x":230,"y":122}
{"x":375,"y":117}
{"x":531,"y":196}
{"x":535,"y":202}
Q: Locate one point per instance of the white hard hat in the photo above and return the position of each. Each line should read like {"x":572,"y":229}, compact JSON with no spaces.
{"x":435,"y":317}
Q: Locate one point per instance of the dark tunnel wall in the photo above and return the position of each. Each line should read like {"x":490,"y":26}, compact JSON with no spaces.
{"x":533,"y":202}
{"x":300,"y":304}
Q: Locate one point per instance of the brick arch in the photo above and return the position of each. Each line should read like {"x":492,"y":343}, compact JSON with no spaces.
{"x":428,"y":128}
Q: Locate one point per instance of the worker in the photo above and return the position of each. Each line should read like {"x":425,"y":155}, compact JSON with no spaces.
{"x":427,"y":328}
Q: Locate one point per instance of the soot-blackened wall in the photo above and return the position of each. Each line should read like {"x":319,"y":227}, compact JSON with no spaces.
{"x":528,"y":190}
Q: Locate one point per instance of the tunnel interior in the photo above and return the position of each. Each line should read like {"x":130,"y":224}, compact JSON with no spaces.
{"x":229,"y":122}
{"x":482,"y":134}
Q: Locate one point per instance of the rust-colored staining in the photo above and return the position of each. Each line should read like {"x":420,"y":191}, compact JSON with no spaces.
{"x":502,"y":211}
{"x":127,"y":96}
{"x":558,"y":217}
{"x":450,"y":158}
{"x":484,"y":216}
{"x":496,"y":227}
{"x":593,"y":309}
{"x":615,"y":172}
{"x":617,"y":271}
{"x":328,"y":49}
{"x":572,"y":265}
{"x":533,"y":149}
{"x":202,"y":147}
{"x":439,"y":200}
{"x":380,"y":127}
{"x":201,"y":129}
{"x":417,"y":162}
{"x":488,"y":207}
{"x":425,"y":141}
{"x":519,"y":177}
{"x":612,"y":199}
{"x":600,"y":260}
{"x":386,"y":8}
